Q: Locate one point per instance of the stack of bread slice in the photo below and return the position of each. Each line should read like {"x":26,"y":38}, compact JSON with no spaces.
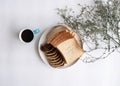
{"x":68,"y":46}
{"x":62,"y":49}
{"x":54,"y":57}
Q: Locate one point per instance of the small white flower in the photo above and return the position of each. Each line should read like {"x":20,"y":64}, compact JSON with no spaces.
{"x":110,"y":2}
{"x":119,"y":24}
{"x":119,"y":31}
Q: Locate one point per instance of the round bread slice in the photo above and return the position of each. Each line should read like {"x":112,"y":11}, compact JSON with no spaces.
{"x":57,"y":65}
{"x":50,"y":50}
{"x":46,"y":47}
{"x":53,"y":57}
{"x":51,"y":53}
{"x":55,"y":60}
{"x":58,"y":62}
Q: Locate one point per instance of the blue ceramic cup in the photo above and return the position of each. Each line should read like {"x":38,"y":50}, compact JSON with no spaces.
{"x":27,"y":35}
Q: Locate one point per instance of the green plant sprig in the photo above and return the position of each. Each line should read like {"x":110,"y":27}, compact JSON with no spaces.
{"x":97,"y":25}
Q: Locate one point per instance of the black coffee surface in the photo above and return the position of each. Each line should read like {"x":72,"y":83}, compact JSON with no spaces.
{"x":27,"y":35}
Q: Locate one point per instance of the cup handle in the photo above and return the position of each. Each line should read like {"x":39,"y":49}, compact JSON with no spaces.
{"x":36,"y":31}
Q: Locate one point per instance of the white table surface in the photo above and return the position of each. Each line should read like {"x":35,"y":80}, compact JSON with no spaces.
{"x":21,"y":65}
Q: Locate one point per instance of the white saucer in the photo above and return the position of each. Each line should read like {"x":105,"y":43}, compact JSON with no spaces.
{"x":46,"y":35}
